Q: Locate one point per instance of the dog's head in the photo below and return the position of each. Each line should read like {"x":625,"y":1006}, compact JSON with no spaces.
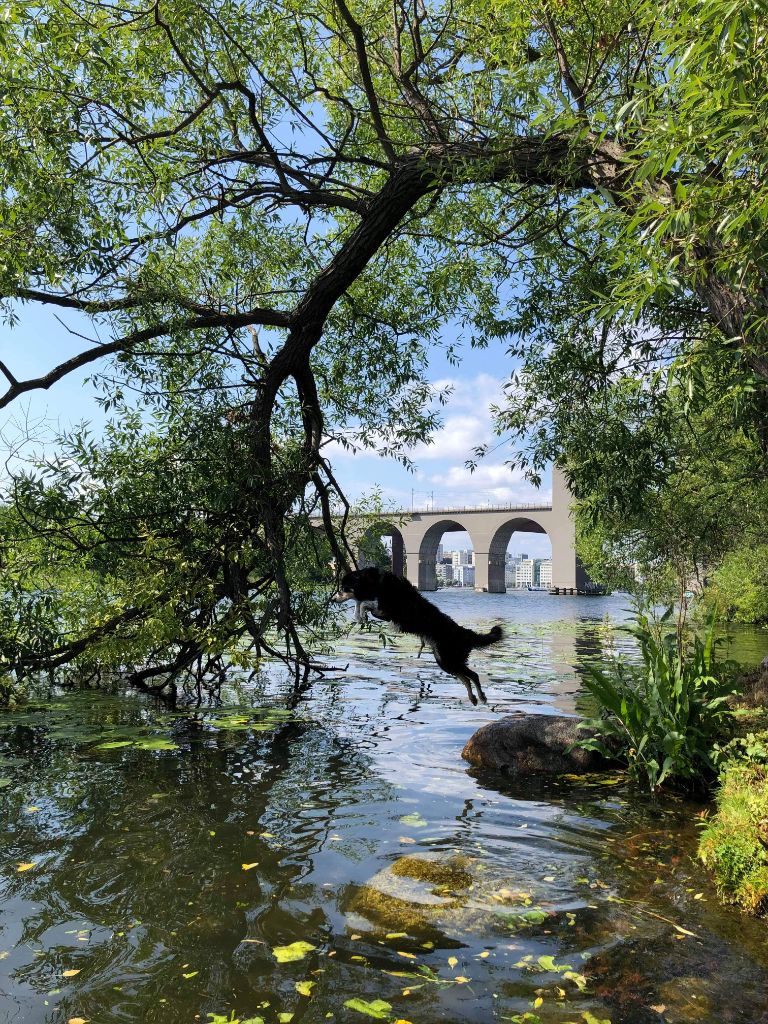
{"x":359,"y":585}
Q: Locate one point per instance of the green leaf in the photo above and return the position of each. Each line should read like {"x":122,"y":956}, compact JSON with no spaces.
{"x":295,"y":951}
{"x":377,"y":1008}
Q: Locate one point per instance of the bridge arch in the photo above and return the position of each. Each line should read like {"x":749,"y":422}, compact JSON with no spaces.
{"x":372,"y":533}
{"x":428,"y":546}
{"x":497,"y":548}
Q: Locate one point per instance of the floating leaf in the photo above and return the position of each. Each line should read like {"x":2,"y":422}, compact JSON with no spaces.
{"x":295,"y":951}
{"x":415,"y":820}
{"x":537,"y":1002}
{"x":304,"y":988}
{"x":590,"y":1018}
{"x":377,"y":1008}
{"x":578,"y":980}
{"x":411,"y":956}
{"x":155,"y":743}
{"x":461,"y":980}
{"x":27,"y":866}
{"x":285,"y":1018}
{"x":71,"y":973}
{"x":452,"y":961}
{"x":247,"y":867}
{"x":191,"y":974}
{"x":396,"y":935}
{"x":77,"y":1020}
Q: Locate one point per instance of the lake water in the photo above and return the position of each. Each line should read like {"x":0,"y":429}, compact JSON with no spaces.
{"x":151,"y":864}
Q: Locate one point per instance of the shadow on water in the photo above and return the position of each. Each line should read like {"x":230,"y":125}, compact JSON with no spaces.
{"x":151,"y":865}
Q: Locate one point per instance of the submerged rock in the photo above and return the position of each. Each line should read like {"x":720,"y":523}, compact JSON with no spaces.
{"x":532,"y":745}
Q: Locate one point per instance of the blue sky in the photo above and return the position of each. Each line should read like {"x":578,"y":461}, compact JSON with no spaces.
{"x":43,"y":338}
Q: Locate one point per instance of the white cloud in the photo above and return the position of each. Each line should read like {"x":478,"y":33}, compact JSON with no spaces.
{"x":493,"y":483}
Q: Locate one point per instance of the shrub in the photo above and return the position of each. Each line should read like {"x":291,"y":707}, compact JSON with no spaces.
{"x":664,"y":715}
{"x":733,"y":842}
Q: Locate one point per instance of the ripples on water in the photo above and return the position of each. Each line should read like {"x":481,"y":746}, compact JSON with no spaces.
{"x":165,"y":877}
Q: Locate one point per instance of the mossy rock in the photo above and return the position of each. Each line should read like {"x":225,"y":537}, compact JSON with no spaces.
{"x":734,"y":842}
{"x":443,"y":874}
{"x":413,"y":893}
{"x":387,"y":911}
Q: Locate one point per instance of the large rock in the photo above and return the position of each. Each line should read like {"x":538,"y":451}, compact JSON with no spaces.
{"x":532,"y":745}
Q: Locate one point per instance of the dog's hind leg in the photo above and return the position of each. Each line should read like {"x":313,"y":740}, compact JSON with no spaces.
{"x":458,"y":673}
{"x":475,"y":678}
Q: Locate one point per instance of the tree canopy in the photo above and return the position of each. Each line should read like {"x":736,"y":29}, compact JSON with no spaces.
{"x":267,"y":213}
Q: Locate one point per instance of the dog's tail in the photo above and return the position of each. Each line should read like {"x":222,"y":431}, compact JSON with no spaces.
{"x":484,"y":639}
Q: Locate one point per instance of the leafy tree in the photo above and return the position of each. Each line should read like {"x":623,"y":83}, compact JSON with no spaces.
{"x":346,"y":179}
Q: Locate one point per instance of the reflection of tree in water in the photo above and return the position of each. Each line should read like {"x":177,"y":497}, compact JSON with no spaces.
{"x":149,"y":851}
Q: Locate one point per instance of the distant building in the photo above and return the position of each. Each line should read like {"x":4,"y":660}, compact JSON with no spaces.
{"x":524,"y":573}
{"x":440,"y":554}
{"x":462,"y":558}
{"x":464,"y":575}
{"x":543,"y":572}
{"x":444,"y":573}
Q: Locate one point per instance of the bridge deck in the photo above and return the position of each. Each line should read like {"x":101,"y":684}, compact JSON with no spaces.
{"x":454,"y":509}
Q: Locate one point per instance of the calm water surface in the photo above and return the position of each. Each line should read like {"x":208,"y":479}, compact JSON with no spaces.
{"x":151,"y":864}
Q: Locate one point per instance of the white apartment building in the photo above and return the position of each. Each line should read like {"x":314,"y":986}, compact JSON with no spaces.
{"x":461,"y":558}
{"x":464,"y":575}
{"x":545,"y":572}
{"x":524,"y":573}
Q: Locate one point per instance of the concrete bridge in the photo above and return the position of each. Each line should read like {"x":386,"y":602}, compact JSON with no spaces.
{"x":416,"y":536}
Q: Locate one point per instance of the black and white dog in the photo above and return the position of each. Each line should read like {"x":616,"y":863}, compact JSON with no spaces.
{"x":389,"y":597}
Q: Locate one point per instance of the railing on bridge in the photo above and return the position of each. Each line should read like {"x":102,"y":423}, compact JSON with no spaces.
{"x":470,"y":508}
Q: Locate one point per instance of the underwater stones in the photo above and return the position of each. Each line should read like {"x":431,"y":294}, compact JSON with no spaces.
{"x":448,"y":874}
{"x":412,"y":893}
{"x":532,"y":745}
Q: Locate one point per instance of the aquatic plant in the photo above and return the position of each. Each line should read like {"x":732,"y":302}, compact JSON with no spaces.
{"x":664,"y":715}
{"x":733,"y":841}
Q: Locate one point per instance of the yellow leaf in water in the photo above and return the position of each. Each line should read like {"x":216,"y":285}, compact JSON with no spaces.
{"x":354,"y":938}
{"x":247,"y":867}
{"x":191,"y":974}
{"x":461,"y":980}
{"x":26,"y":866}
{"x":452,"y":961}
{"x":411,"y":956}
{"x":77,"y":1020}
{"x":684,"y":931}
{"x":537,"y":1002}
{"x":31,"y":810}
{"x":264,"y":835}
{"x":304,"y":988}
{"x":401,"y":1021}
{"x":70,"y":974}
{"x":484,"y":954}
{"x":407,"y":839}
{"x":396,"y":935}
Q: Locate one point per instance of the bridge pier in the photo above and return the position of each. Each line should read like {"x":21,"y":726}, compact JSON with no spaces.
{"x":489,"y":573}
